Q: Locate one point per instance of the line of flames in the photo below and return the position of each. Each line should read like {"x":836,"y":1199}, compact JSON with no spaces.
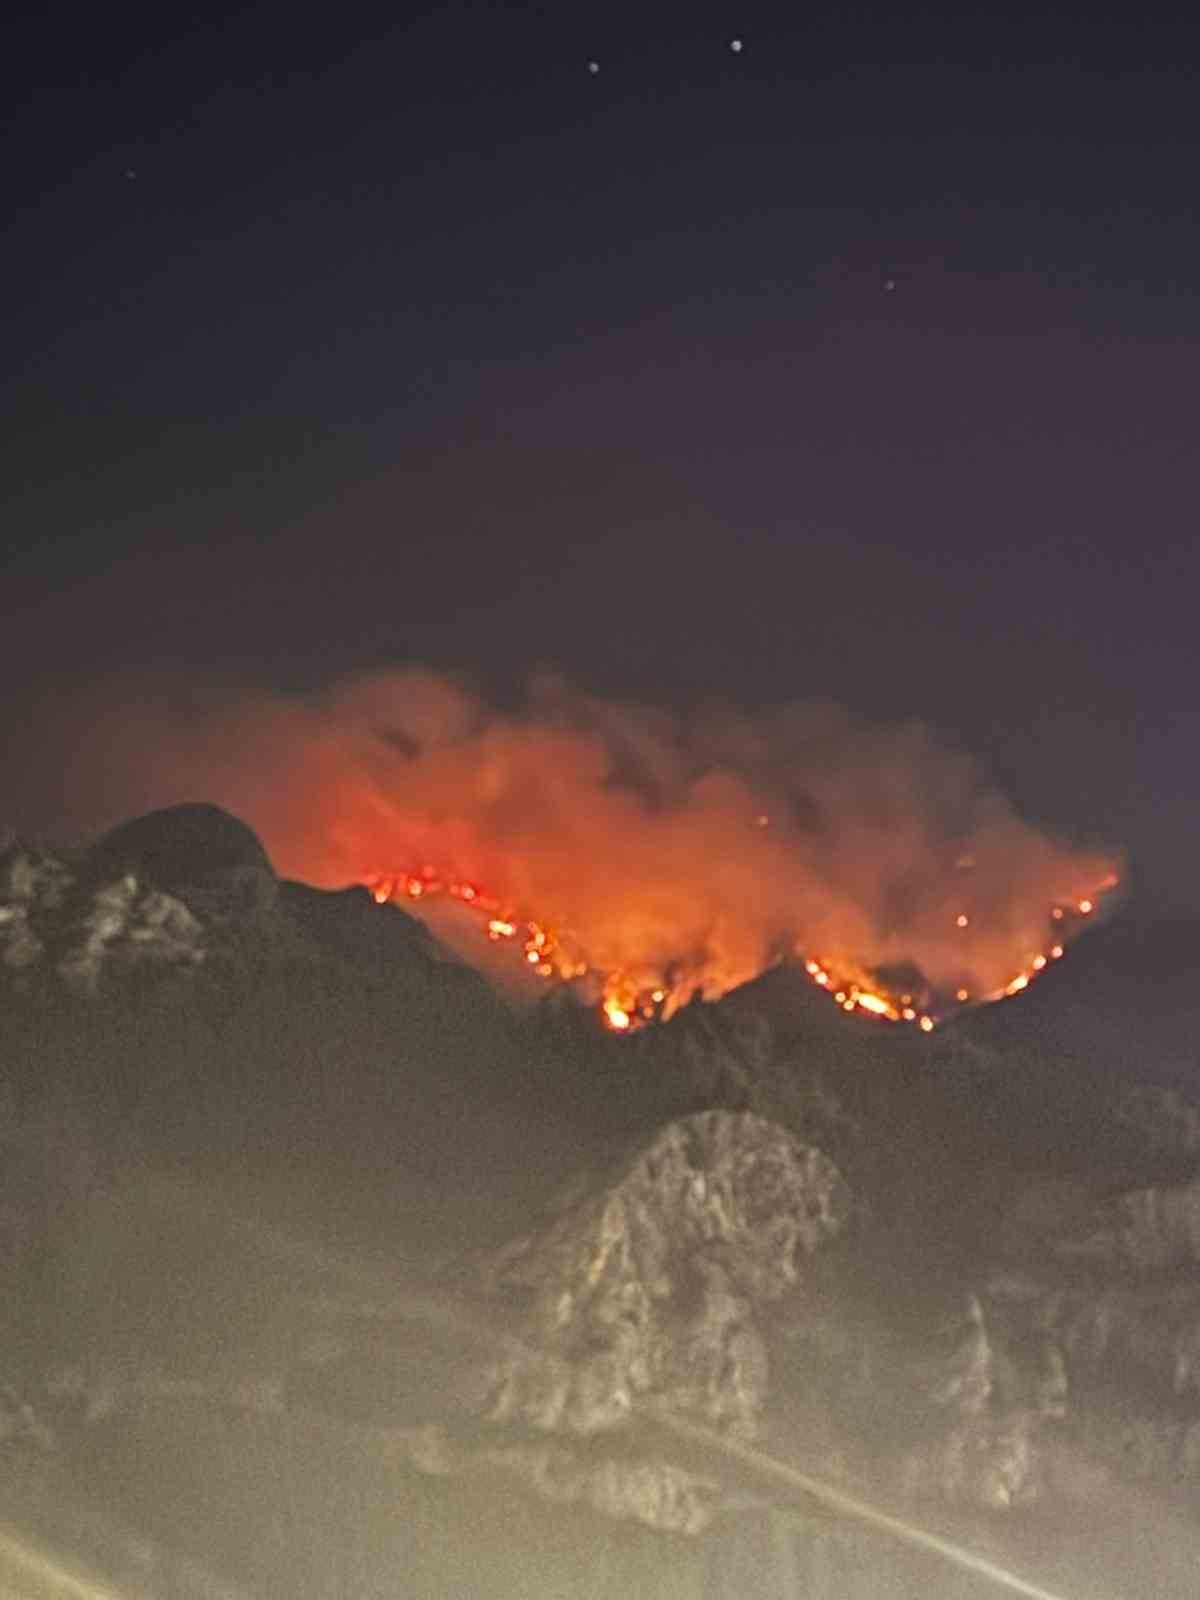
{"x":626,"y":1004}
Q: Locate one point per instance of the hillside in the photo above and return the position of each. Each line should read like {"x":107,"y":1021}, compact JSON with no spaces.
{"x":318,"y":1259}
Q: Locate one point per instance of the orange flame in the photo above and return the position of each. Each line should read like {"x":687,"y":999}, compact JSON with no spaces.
{"x":878,"y":1002}
{"x":623,"y":1006}
{"x":626,"y":1004}
{"x":615,"y":1016}
{"x":686,"y":852}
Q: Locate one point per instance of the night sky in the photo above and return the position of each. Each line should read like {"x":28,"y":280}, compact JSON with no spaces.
{"x":860,"y":361}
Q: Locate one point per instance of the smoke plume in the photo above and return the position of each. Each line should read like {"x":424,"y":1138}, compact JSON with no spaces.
{"x":685,"y":853}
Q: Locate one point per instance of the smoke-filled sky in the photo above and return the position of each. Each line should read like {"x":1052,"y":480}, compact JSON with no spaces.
{"x":686,"y":853}
{"x":856,"y":365}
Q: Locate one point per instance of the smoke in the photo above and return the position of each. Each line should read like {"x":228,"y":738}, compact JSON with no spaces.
{"x":682,"y":850}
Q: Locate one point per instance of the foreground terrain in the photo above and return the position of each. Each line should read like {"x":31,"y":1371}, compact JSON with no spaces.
{"x":326,"y":1275}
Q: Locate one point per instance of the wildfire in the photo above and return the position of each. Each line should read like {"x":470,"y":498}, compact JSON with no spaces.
{"x":645,"y":854}
{"x":549,"y":952}
{"x":864,"y":992}
{"x":625,"y":1002}
{"x":615,"y":1015}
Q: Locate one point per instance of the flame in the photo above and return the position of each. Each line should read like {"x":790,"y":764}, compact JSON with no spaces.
{"x":626,"y":1002}
{"x":623,"y":1005}
{"x":645,"y":855}
{"x":851,"y":994}
{"x":875,"y":1003}
{"x":616,"y":1018}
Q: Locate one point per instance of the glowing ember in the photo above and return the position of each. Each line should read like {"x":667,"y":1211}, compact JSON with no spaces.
{"x":851,"y":994}
{"x":615,"y":1016}
{"x":623,"y":1006}
{"x":626,"y":1003}
{"x":875,"y":1003}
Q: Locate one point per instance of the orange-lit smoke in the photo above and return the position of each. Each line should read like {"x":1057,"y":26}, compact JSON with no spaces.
{"x":651,"y":857}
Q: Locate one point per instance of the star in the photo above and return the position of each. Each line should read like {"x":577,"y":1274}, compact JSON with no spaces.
{"x":593,"y":67}
{"x":736,"y":46}
{"x":130,"y":173}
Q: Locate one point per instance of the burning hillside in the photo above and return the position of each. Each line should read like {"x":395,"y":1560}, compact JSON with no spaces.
{"x":644,"y":858}
{"x":627,"y":1000}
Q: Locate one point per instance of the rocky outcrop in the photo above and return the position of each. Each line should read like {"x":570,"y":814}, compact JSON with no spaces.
{"x":993,"y":1386}
{"x":59,"y":924}
{"x":1142,"y":1230}
{"x":652,"y":1281}
{"x":127,"y":924}
{"x":190,"y":885}
{"x":201,"y":854}
{"x":658,"y":1493}
{"x":953,"y":1397}
{"x":33,"y":888}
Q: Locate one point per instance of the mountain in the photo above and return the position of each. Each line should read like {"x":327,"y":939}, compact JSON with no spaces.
{"x":318,"y":1259}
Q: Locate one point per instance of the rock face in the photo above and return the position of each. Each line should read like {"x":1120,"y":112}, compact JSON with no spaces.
{"x":1116,"y":1290}
{"x":993,"y":1384}
{"x":139,"y":898}
{"x":56,"y":923}
{"x":197,"y":852}
{"x":1142,"y":1230}
{"x":126,"y":924}
{"x":33,"y":888}
{"x":658,"y":1493}
{"x":651,"y":1283}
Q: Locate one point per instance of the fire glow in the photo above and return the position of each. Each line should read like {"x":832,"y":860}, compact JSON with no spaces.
{"x":644,"y":856}
{"x":625,"y":1004}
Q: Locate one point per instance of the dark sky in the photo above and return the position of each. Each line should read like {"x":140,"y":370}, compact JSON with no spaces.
{"x":859,"y":362}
